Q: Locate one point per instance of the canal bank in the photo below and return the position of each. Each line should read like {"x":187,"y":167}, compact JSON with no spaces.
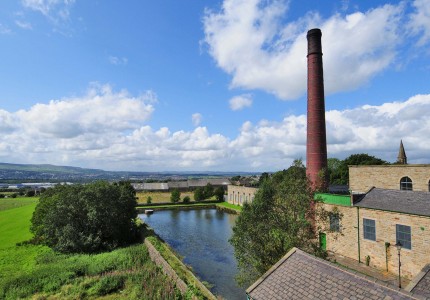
{"x":201,"y":238}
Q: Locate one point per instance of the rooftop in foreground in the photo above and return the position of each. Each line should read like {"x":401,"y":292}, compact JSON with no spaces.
{"x":299,"y":275}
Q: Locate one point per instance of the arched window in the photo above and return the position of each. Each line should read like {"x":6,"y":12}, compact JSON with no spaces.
{"x":406,"y":184}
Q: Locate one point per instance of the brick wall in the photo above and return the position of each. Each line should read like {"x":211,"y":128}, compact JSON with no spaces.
{"x":240,"y":194}
{"x":362,"y":178}
{"x":346,"y":243}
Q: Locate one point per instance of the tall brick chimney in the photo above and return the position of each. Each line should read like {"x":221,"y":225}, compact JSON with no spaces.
{"x":316,"y":145}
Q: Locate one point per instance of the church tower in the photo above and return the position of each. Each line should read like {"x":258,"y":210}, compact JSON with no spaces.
{"x":401,"y":158}
{"x":316,"y":145}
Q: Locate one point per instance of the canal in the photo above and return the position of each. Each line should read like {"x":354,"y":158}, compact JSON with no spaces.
{"x":201,"y":238}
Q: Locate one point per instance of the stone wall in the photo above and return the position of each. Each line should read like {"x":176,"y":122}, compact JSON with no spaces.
{"x":362,"y":178}
{"x":346,"y":242}
{"x":238,"y":195}
{"x":167,"y":269}
{"x":412,"y":260}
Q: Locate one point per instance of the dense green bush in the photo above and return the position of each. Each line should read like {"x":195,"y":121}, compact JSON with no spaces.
{"x":199,"y":194}
{"x":86,"y":218}
{"x":208,"y":191}
{"x":30,"y":193}
{"x":187,"y":199}
{"x":175,"y":196}
{"x":219,"y":193}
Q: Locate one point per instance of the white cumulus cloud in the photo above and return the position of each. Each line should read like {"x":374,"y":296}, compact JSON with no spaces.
{"x":109,"y":130}
{"x":420,"y":20}
{"x":250,"y":41}
{"x":240,"y":102}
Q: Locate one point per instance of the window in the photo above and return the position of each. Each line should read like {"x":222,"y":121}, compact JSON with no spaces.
{"x":406,"y":184}
{"x":403,"y":236}
{"x":369,"y":229}
{"x":334,"y":222}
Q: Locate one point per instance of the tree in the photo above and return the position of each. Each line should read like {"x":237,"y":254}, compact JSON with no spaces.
{"x":86,"y":218}
{"x":279,"y":218}
{"x":219,"y":193}
{"x":187,"y":199}
{"x":149,"y":200}
{"x":175,"y":196}
{"x":208,"y":191}
{"x":339,"y":172}
{"x":30,"y":193}
{"x":333,"y":167}
{"x":199,"y":194}
{"x":264,"y":176}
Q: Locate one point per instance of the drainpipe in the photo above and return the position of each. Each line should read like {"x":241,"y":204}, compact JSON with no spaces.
{"x":358,"y":233}
{"x":387,"y":246}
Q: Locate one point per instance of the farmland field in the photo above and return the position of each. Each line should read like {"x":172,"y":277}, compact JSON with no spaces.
{"x":160,"y":197}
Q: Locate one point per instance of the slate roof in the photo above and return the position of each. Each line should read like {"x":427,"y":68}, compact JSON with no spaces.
{"x":410,"y":202}
{"x":178,"y":184}
{"x":155,"y":186}
{"x":420,"y":285}
{"x":299,"y":275}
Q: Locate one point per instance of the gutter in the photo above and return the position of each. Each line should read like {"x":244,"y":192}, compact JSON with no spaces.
{"x":358,"y":233}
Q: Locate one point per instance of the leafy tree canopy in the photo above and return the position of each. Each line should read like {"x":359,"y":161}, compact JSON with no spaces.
{"x":86,"y":218}
{"x":219,"y":193}
{"x":338,"y":169}
{"x":208,"y":191}
{"x":277,"y":220}
{"x":175,"y":196}
{"x":199,"y":194}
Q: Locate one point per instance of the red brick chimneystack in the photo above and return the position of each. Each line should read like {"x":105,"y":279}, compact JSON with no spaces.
{"x":316,"y":146}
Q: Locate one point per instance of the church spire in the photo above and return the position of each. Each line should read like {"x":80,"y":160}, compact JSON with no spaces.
{"x":401,"y":158}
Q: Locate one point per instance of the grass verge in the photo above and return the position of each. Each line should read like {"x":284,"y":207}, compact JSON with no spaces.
{"x":237,"y":208}
{"x":9,"y":203}
{"x":37,"y":272}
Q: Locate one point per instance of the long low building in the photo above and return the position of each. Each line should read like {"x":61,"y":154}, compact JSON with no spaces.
{"x":238,"y":195}
{"x":191,"y":184}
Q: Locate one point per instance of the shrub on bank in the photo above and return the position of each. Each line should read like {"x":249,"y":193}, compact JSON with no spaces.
{"x":86,"y":218}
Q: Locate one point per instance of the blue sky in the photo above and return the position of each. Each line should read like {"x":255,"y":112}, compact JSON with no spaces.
{"x":208,"y":85}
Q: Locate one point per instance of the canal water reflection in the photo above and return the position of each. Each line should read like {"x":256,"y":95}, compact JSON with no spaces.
{"x":201,"y":237}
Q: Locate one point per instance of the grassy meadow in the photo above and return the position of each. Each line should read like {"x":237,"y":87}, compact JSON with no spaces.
{"x":36,"y":272}
{"x":160,"y":197}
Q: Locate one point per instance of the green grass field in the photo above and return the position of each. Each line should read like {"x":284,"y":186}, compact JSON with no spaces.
{"x":159,"y":197}
{"x":8,"y":203}
{"x":37,"y":272}
{"x":231,"y":206}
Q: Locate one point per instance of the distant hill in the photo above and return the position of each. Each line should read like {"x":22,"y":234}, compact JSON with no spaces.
{"x":48,"y":168}
{"x":19,"y":173}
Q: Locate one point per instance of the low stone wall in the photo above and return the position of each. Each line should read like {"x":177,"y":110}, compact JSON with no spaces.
{"x":168,"y":270}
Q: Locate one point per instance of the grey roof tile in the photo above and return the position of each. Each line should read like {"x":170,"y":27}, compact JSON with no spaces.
{"x":410,"y":202}
{"x":317,"y":277}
